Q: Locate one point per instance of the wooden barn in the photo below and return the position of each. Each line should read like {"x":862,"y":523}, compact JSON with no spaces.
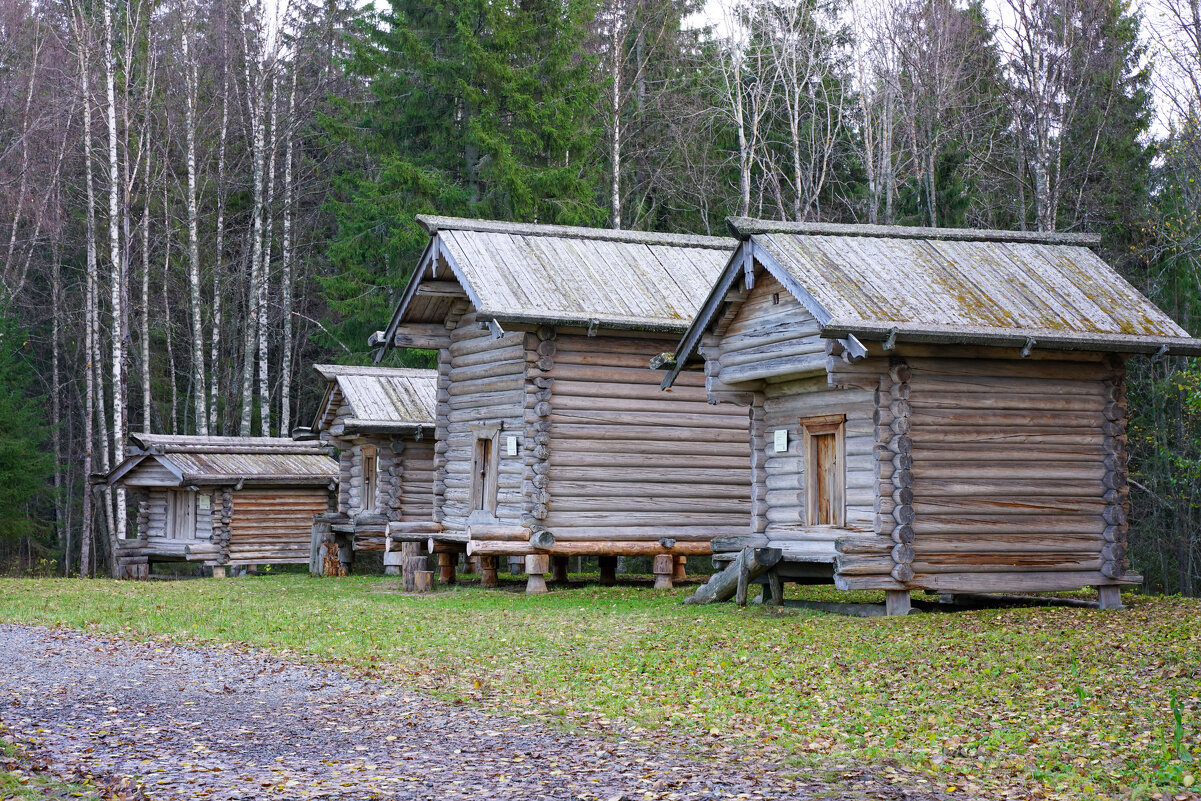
{"x":222,"y":501}
{"x":553,"y":438}
{"x":381,"y":421}
{"x":931,"y":409}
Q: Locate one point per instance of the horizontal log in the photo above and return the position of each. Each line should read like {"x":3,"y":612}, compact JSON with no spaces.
{"x":569,"y":533}
{"x":561,"y":548}
{"x":477,"y":531}
{"x":1001,"y":524}
{"x":1016,"y":581}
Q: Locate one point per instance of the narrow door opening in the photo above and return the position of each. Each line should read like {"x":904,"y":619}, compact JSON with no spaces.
{"x":825,"y":470}
{"x":181,"y":515}
{"x":370,"y":473}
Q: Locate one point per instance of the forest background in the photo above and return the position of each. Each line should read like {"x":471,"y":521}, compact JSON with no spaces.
{"x":200,"y":200}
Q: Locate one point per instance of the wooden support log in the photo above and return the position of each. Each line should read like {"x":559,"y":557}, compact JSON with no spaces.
{"x":680,"y":568}
{"x":488,"y":576}
{"x":559,"y":569}
{"x":497,"y":533}
{"x":446,"y":567}
{"x":750,"y":564}
{"x":608,"y":570}
{"x":1109,"y":596}
{"x":393,"y":560}
{"x":411,"y":561}
{"x":542,"y":539}
{"x":663,"y":568}
{"x":218,"y":571}
{"x":536,"y":567}
{"x":423,"y":581}
{"x":896,"y":602}
{"x":560,"y":548}
{"x":443,"y":546}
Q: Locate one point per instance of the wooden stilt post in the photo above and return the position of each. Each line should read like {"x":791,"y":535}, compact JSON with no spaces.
{"x":536,"y":567}
{"x":488,"y":571}
{"x":423,"y":580}
{"x":411,"y":561}
{"x":664,"y":567}
{"x":446,"y":567}
{"x":559,"y":569}
{"x":1109,"y":596}
{"x":345,"y":554}
{"x":776,"y":587}
{"x":608,"y":570}
{"x":681,"y":569}
{"x":218,"y":571}
{"x":516,"y":565}
{"x":896,"y":602}
{"x":392,"y":562}
{"x":468,"y":564}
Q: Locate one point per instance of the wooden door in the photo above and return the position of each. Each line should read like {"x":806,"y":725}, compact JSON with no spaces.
{"x":181,"y":515}
{"x":825,"y":470}
{"x":825,"y":467}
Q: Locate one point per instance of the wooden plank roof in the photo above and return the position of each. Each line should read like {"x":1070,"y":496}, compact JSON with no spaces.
{"x":1009,"y":288}
{"x":381,"y":399}
{"x":230,"y":460}
{"x":561,"y":275}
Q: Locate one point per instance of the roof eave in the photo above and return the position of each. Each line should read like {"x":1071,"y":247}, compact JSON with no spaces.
{"x":355,"y":426}
{"x":591,"y":323}
{"x":1013,"y":338}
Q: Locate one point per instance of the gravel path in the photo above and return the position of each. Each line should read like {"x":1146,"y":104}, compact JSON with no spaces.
{"x":216,"y":723}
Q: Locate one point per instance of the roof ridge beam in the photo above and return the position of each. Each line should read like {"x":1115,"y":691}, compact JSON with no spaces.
{"x":433,"y":224}
{"x":746,"y":227}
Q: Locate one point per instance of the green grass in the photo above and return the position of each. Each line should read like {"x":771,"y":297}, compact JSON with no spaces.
{"x":1023,"y":702}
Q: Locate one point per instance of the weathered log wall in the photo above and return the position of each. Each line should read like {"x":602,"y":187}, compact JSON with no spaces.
{"x":481,"y":380}
{"x":627,"y":462}
{"x":999,"y":474}
{"x":273,"y":524}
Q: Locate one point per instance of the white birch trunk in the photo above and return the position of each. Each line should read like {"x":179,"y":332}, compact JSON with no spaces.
{"x":254,"y":100}
{"x":285,"y":390}
{"x":201,"y":413}
{"x":86,"y":534}
{"x":116,"y":288}
{"x":265,"y":272}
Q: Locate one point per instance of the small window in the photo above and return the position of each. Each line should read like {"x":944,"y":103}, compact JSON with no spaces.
{"x":370,"y":476}
{"x":483,"y":475}
{"x":825,"y":470}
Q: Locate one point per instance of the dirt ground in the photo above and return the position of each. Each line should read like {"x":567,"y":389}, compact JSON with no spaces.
{"x":219,"y":723}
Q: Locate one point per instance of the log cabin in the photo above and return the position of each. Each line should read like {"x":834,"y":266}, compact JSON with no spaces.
{"x":381,"y":421}
{"x":222,"y":502}
{"x":931,"y":409}
{"x":552,"y":437}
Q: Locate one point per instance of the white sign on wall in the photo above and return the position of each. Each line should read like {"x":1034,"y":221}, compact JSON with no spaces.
{"x":781,"y":440}
{"x":510,"y":445}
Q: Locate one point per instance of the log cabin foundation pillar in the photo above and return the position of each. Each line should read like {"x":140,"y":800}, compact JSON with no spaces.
{"x":664,"y":568}
{"x":487,"y":571}
{"x":392,"y":562}
{"x":446,"y":567}
{"x":218,"y":571}
{"x":608,"y":570}
{"x":681,"y":569}
{"x":1109,"y":596}
{"x":516,"y":565}
{"x":345,"y":554}
{"x":896,"y":602}
{"x":559,"y":569}
{"x":411,"y":561}
{"x":423,"y":580}
{"x":536,"y":566}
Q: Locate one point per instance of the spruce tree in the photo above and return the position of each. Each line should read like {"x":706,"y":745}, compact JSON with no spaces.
{"x":26,"y":465}
{"x":474,"y":109}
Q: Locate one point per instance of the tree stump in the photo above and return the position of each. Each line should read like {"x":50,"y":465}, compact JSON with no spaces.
{"x":559,"y":569}
{"x":446,"y":567}
{"x":536,"y":566}
{"x":608,"y":570}
{"x":488,"y":571}
{"x":664,"y":567}
{"x":681,"y":569}
{"x":423,"y":580}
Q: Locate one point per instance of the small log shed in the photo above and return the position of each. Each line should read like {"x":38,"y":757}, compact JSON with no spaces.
{"x":931,"y":409}
{"x":381,"y":420}
{"x":222,"y":501}
{"x":553,"y":438}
